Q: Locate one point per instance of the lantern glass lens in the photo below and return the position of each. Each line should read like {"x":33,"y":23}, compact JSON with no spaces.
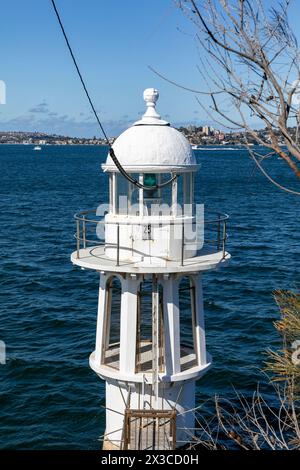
{"x":150,"y":179}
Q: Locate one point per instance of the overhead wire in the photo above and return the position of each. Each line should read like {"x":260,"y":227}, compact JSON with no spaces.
{"x":111,"y":150}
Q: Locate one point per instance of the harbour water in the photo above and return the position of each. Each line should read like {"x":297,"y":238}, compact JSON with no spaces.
{"x":49,"y":398}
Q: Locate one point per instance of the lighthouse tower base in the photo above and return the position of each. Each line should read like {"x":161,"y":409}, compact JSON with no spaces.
{"x":134,"y":420}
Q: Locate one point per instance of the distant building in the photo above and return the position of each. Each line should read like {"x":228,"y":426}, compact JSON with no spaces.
{"x":206,"y":130}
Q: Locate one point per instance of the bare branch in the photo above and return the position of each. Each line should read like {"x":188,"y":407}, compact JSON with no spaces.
{"x":181,"y":86}
{"x":252,"y":57}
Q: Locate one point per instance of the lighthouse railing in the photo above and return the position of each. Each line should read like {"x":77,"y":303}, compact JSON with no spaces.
{"x":90,"y":232}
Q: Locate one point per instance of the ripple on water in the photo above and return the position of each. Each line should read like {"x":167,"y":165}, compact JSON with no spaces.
{"x":49,"y":398}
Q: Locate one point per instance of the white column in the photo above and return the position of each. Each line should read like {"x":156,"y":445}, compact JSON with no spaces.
{"x":141,"y":196}
{"x":114,"y":202}
{"x":199,"y":321}
{"x":171,"y":325}
{"x":100,"y":317}
{"x":174,"y":197}
{"x":128,"y":324}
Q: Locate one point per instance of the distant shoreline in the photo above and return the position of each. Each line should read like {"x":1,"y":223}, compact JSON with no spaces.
{"x":54,"y":145}
{"x":197,"y":136}
{"x":89,"y":144}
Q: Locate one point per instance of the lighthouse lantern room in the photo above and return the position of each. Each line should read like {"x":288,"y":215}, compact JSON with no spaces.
{"x":150,"y":247}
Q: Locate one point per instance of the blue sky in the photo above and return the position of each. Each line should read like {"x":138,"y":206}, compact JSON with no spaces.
{"x":114,"y":42}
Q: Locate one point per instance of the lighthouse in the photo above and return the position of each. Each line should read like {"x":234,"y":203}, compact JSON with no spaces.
{"x":150,"y":246}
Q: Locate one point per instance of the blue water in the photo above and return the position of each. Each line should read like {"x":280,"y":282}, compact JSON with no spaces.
{"x":49,"y":398}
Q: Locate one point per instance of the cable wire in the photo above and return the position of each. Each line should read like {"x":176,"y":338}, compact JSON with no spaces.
{"x":111,"y":150}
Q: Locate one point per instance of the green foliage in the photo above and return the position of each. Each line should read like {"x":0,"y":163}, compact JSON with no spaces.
{"x":284,"y":365}
{"x":263,"y":422}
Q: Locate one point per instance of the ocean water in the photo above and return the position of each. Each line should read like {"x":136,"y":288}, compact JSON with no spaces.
{"x":49,"y":398}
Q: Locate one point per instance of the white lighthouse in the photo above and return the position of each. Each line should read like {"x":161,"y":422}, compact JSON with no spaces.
{"x":150,"y":248}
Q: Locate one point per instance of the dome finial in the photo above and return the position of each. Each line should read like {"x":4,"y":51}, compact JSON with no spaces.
{"x":151,"y":95}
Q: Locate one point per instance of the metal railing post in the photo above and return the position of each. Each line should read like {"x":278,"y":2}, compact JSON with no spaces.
{"x":219,"y":232}
{"x":83,"y":232}
{"x":224,"y":237}
{"x":78,"y":236}
{"x":118,"y":245}
{"x":182,"y":244}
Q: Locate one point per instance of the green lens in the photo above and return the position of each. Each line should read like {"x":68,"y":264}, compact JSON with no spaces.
{"x":150,"y":179}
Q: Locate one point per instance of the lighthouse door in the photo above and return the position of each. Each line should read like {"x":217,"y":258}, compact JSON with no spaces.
{"x":150,"y":430}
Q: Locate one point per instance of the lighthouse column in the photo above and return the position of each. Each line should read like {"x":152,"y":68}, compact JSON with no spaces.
{"x":129,"y":299}
{"x":172,"y":326}
{"x":198,"y":319}
{"x":102,"y":301}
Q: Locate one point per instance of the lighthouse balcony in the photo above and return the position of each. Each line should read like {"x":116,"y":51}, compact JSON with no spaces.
{"x":150,"y":244}
{"x":189,"y":365}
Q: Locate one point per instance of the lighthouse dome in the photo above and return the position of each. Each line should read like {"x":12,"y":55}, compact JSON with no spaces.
{"x":151,"y":144}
